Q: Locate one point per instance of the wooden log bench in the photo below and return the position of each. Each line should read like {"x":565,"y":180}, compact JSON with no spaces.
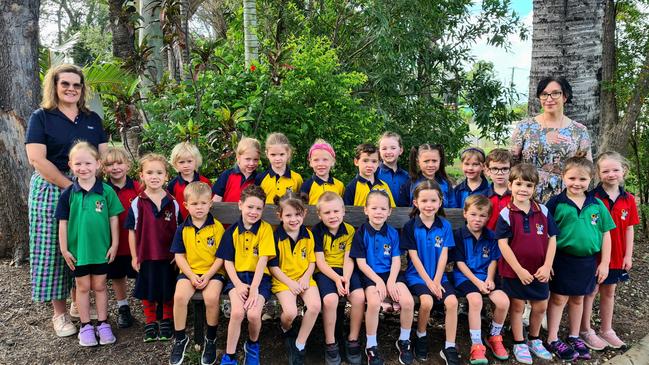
{"x":228,"y":213}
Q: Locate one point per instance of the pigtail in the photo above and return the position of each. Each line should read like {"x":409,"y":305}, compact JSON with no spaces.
{"x":412,"y":164}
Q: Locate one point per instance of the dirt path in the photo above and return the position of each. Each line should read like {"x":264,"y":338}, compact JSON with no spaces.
{"x":26,"y":335}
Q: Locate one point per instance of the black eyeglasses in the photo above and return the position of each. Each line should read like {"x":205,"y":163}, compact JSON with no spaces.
{"x":67,"y":85}
{"x":554,"y":95}
{"x":497,"y":171}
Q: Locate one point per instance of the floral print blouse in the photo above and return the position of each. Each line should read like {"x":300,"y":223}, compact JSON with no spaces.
{"x":548,"y":149}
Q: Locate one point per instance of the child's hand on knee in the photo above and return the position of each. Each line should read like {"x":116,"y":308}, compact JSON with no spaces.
{"x":381,"y":290}
{"x":393,"y":289}
{"x":253,"y":296}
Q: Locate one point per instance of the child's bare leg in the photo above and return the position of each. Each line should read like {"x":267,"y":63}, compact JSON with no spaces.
{"x":237,"y":314}
{"x":212,"y":297}
{"x":372,"y":311}
{"x":329,"y":314}
{"x":311,"y":298}
{"x":119,"y":287}
{"x":575,"y":310}
{"x":182,"y":296}
{"x":500,"y":301}
{"x":407,"y":306}
{"x":59,"y":306}
{"x":475,"y":307}
{"x":98,"y":283}
{"x":83,"y":285}
{"x":606,"y":306}
{"x":289,"y":308}
{"x":555,"y":310}
{"x":516,"y":318}
{"x":588,"y":309}
{"x":254,"y":318}
{"x":357,"y":299}
{"x":450,"y":320}
{"x":425,"y":306}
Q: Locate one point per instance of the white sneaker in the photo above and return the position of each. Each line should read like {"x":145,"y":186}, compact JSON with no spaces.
{"x":74,"y":311}
{"x":63,"y":325}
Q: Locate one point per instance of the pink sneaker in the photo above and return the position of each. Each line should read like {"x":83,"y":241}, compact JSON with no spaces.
{"x":611,"y":338}
{"x":105,"y":334}
{"x":593,"y":341}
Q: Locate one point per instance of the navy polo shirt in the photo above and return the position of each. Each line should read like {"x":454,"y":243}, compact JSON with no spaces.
{"x":394,"y":179}
{"x":477,"y":254}
{"x":231,"y":183}
{"x":462,"y":191}
{"x":377,"y":247}
{"x":429,"y":244}
{"x":406,"y":195}
{"x":58,"y":133}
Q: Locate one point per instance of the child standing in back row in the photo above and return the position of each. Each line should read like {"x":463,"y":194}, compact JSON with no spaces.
{"x":230,"y":184}
{"x":116,"y":165}
{"x":367,"y":180}
{"x":390,"y":149}
{"x":585,"y":223}
{"x":89,"y":236}
{"x":611,"y":168}
{"x":152,"y":220}
{"x":321,"y":159}
{"x":186,"y":159}
{"x":427,"y":162}
{"x":473,"y":160}
{"x":278,"y":178}
{"x":498,"y":165}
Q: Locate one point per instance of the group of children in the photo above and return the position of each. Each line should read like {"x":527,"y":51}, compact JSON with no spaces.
{"x":512,"y":249}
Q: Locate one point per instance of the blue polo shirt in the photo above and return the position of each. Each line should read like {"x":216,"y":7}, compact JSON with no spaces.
{"x":377,"y":247}
{"x":406,"y":195}
{"x":394,"y":179}
{"x":477,"y":254}
{"x":231,"y":183}
{"x":359,"y":188}
{"x":429,"y":243}
{"x":462,"y":191}
{"x":58,"y":133}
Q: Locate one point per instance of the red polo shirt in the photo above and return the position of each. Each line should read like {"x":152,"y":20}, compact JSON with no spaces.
{"x":126,"y":195}
{"x":625,"y":214}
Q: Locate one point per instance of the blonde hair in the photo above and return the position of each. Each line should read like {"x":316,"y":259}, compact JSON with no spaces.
{"x":391,"y":135}
{"x":616,"y":156}
{"x":185,"y":149}
{"x":197,"y":189}
{"x":115,"y":154}
{"x":478,"y":200}
{"x":83,"y":146}
{"x":329,"y":196}
{"x":279,"y":139}
{"x":473,"y":152}
{"x":152,"y":157}
{"x":51,"y":97}
{"x":247,"y":143}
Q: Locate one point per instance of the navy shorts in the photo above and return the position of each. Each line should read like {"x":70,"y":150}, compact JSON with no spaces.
{"x":327,"y":286}
{"x":246,"y":277}
{"x":467,"y":287}
{"x":573,"y":275}
{"x":418,"y":290}
{"x":616,"y":276}
{"x":217,"y":276}
{"x":120,"y":268}
{"x":90,"y":269}
{"x":367,"y":282}
{"x":515,"y":289}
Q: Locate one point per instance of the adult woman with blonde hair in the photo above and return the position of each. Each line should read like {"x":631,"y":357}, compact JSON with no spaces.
{"x":52,"y":129}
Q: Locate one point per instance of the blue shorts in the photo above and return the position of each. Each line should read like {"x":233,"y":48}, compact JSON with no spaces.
{"x":573,"y":275}
{"x":467,"y":287}
{"x":515,"y":289}
{"x":418,"y":290}
{"x":216,"y":276}
{"x":367,"y":282}
{"x":327,"y":286}
{"x":616,"y":276}
{"x":246,"y":277}
{"x":121,"y":268}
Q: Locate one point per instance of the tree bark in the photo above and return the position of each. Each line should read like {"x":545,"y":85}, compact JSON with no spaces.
{"x":120,"y":15}
{"x":608,"y":102}
{"x":151,"y":31}
{"x":567,"y":41}
{"x":19,"y":96}
{"x":251,"y":43}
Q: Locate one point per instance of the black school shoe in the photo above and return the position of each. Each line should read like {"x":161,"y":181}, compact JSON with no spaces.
{"x":124,"y":317}
{"x":405,"y":352}
{"x":178,"y":351}
{"x":421,"y":348}
{"x":332,"y":355}
{"x":373,"y":356}
{"x":353,"y":352}
{"x":450,"y":356}
{"x":208,"y":357}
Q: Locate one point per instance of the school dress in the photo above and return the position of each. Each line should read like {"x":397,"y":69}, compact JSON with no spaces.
{"x":579,"y":243}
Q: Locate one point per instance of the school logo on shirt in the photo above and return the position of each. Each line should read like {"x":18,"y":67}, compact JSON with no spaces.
{"x":485,"y":252}
{"x":210,"y":241}
{"x":539,"y":229}
{"x":594,"y":218}
{"x":168,"y":215}
{"x":99,"y":206}
{"x":386,"y":249}
{"x":625,"y":213}
{"x":341,"y":246}
{"x":303,"y":253}
{"x":438,"y":241}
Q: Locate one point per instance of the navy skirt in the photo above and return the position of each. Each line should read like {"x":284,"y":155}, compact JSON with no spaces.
{"x":573,"y":275}
{"x":514,"y":288}
{"x":156,"y":281}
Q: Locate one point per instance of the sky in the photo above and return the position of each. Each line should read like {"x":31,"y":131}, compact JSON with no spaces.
{"x":519,"y":56}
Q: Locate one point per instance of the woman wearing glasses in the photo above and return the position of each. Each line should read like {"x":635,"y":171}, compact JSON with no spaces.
{"x":550,"y":138}
{"x":62,"y":119}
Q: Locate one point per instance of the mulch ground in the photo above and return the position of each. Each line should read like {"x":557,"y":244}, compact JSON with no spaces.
{"x":26,"y":335}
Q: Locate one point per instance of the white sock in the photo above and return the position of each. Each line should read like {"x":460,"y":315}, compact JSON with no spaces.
{"x":449,"y":344}
{"x":122,"y":302}
{"x":371,"y":341}
{"x":300,"y":346}
{"x":496,"y":328}
{"x":404,"y":335}
{"x":421,"y":334}
{"x":476,"y":337}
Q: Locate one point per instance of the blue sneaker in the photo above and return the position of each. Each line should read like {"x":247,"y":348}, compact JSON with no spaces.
{"x":251,"y":351}
{"x":227,"y":360}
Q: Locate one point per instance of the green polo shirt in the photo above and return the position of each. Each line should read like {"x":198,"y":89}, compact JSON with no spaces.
{"x":88,"y":214}
{"x":581,"y":229}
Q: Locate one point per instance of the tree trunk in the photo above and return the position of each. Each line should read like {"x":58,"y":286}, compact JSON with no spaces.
{"x":152,"y":33}
{"x":122,"y":28}
{"x":609,"y":112}
{"x":19,"y":96}
{"x":567,"y":41}
{"x":251,"y":43}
